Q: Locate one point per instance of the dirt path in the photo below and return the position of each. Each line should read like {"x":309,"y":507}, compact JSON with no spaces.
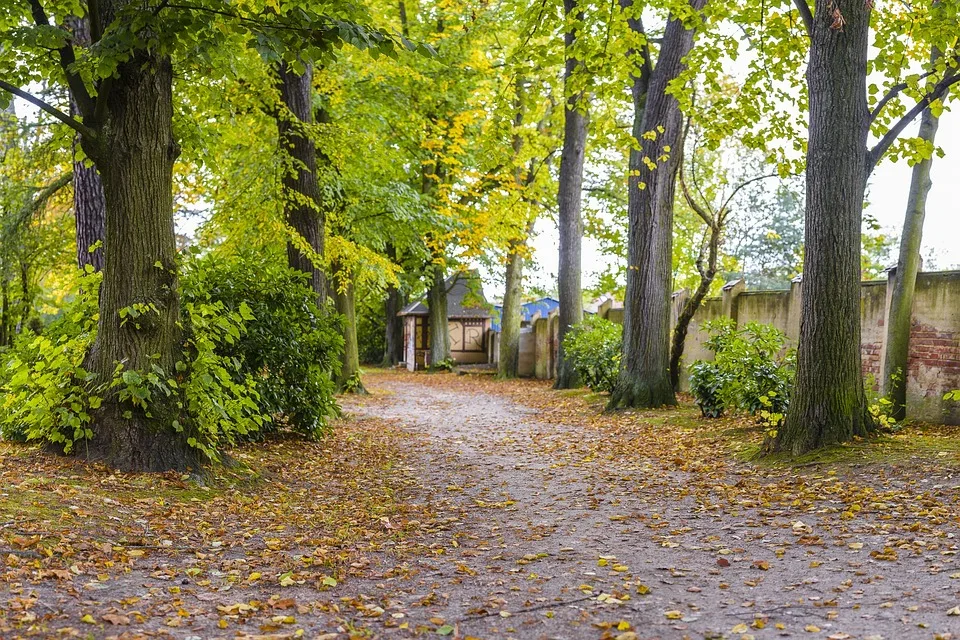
{"x":456,"y":506}
{"x":546,"y":536}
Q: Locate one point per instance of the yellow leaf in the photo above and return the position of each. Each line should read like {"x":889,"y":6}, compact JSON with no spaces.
{"x":88,"y":619}
{"x":740,"y":628}
{"x":812,"y":628}
{"x":673,"y":615}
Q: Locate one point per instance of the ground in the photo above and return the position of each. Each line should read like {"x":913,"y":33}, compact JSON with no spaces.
{"x":459,"y":506}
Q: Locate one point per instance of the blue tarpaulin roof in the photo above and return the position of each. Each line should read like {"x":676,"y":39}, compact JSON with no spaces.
{"x":529,"y":309}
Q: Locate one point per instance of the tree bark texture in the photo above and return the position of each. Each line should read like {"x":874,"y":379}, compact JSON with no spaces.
{"x":828,"y":404}
{"x":89,"y":207}
{"x":570,"y":221}
{"x":343,"y":296}
{"x":134,"y":153}
{"x":510,"y":317}
{"x":302,"y":203}
{"x":644,"y":379}
{"x":905,"y":279}
{"x":437,"y":320}
{"x":393,"y":351}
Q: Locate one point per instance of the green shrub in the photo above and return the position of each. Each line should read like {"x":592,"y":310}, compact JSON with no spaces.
{"x":48,"y":395}
{"x":706,"y":382}
{"x":290,"y":347}
{"x":594,"y":347}
{"x":751,"y":371}
{"x":258,"y":353}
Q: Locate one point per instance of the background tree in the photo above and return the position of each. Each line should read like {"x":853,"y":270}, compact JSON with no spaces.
{"x":658,"y":128}
{"x":908,"y":262}
{"x":570,"y":189}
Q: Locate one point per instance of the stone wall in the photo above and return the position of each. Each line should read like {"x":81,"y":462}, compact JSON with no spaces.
{"x":934,"y":364}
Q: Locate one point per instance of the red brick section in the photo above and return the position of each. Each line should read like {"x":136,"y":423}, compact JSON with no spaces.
{"x":939,"y":350}
{"x":870,"y":353}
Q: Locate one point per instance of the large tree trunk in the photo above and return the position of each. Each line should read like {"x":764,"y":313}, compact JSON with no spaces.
{"x":828,"y":405}
{"x":645,"y":367}
{"x":343,"y":295}
{"x":437,"y":320}
{"x":135,"y":154}
{"x":302,"y":202}
{"x":908,"y":264}
{"x":511,"y":315}
{"x":89,"y":208}
{"x":568,"y":201}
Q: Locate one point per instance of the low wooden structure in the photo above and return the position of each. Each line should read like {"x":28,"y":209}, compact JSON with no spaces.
{"x":468,"y":323}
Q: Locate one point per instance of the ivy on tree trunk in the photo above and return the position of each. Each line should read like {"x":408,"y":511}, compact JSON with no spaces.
{"x":134,"y":151}
{"x":302,"y":206}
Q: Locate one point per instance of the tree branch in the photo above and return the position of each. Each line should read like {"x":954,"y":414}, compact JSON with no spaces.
{"x":67,"y":60}
{"x":938,"y":91}
{"x":53,"y":111}
{"x":745,"y":184}
{"x":40,"y":199}
{"x":697,"y":208}
{"x":805,"y":14}
{"x":893,"y":93}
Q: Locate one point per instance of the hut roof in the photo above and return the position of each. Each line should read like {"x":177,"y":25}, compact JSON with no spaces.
{"x":465,"y":298}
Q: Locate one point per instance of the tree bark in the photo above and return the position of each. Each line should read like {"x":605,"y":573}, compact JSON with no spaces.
{"x":393,"y":351}
{"x":828,"y":404}
{"x":393,"y":343}
{"x":644,"y":379}
{"x":89,"y":208}
{"x":510,"y":316}
{"x":135,"y":152}
{"x":905,"y":280}
{"x":302,"y":202}
{"x":437,"y":320}
{"x":343,"y":296}
{"x":569,"y":202}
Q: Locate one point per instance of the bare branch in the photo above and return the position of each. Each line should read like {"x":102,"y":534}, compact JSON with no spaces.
{"x":805,"y":14}
{"x":740,"y":186}
{"x":938,"y":91}
{"x":53,"y":111}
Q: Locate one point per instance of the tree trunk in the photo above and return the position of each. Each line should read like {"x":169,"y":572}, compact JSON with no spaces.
{"x":6,"y":339}
{"x":437,"y":320}
{"x":908,"y":264}
{"x":707,"y":274}
{"x":135,"y":154}
{"x":393,"y":343}
{"x":89,"y":208}
{"x":568,"y":202}
{"x":343,"y":296}
{"x":302,"y":202}
{"x":393,"y":351}
{"x":827,"y":404}
{"x":645,"y":367}
{"x":511,"y":315}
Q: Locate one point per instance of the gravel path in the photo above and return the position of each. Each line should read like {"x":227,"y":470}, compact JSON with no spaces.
{"x":544,"y":538}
